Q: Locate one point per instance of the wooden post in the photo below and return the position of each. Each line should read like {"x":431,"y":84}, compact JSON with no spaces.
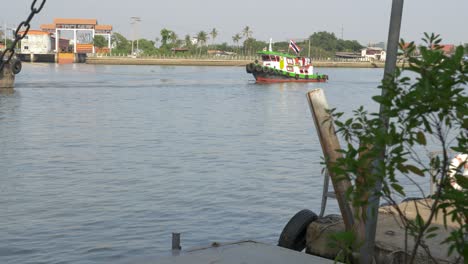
{"x":329,"y":142}
{"x":176,"y":241}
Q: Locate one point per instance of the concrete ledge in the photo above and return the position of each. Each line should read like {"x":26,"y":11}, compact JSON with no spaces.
{"x":245,"y":252}
{"x":390,"y":237}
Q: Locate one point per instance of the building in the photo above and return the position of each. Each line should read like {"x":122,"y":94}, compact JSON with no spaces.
{"x":36,"y":42}
{"x":87,"y":28}
{"x":447,"y":49}
{"x":374,"y":54}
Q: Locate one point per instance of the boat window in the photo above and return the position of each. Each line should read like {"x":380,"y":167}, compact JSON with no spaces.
{"x":266,"y":58}
{"x":290,"y":68}
{"x":277,"y":58}
{"x":272,"y":58}
{"x":290,"y":61}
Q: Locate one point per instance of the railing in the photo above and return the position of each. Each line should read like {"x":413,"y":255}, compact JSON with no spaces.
{"x":222,"y":57}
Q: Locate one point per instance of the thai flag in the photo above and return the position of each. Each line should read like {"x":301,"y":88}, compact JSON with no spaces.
{"x":294,"y":47}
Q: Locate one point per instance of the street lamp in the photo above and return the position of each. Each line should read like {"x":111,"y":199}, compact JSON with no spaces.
{"x":134,"y":21}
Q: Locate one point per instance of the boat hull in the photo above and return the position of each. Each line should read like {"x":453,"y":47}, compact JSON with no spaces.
{"x":269,"y":78}
{"x":270,"y":75}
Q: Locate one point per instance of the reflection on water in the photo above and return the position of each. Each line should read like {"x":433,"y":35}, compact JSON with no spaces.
{"x":100,"y":163}
{"x":7,"y":91}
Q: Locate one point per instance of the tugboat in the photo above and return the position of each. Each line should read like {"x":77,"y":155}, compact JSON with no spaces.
{"x":282,"y":67}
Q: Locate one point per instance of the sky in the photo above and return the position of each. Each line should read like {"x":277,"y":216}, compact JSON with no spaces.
{"x":366,"y":21}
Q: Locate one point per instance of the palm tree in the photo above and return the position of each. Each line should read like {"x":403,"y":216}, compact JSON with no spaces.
{"x":202,"y":38}
{"x":173,"y":38}
{"x":236,"y":39}
{"x":188,"y":41}
{"x":247,"y":32}
{"x":165,"y":35}
{"x":214,"y":34}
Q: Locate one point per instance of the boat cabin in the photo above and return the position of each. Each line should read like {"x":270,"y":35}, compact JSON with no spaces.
{"x":286,"y":62}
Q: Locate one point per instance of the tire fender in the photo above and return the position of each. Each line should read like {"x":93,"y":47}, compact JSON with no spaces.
{"x":294,"y":233}
{"x":16,"y":66}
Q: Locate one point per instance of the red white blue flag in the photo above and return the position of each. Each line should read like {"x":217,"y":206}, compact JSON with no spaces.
{"x":294,"y":47}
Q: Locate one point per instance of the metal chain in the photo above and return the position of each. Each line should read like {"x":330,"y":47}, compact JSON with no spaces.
{"x":25,"y":24}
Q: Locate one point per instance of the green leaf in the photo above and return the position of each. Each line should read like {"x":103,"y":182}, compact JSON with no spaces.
{"x":421,"y":138}
{"x":415,"y":170}
{"x":398,"y":188}
{"x":462,"y":181}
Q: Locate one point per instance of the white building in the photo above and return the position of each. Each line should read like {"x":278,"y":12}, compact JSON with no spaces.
{"x":37,"y":42}
{"x":374,"y":53}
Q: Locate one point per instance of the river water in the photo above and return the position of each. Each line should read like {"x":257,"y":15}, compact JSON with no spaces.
{"x":102,"y":163}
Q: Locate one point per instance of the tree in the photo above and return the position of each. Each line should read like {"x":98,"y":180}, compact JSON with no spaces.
{"x":188,"y":41}
{"x":252,"y":45}
{"x":120,"y":44}
{"x":173,"y":37}
{"x":236,"y":38}
{"x":214,"y":34}
{"x":431,"y":107}
{"x":147,"y":46}
{"x":202,"y":37}
{"x":99,"y":41}
{"x":165,"y":36}
{"x":247,"y":32}
{"x":324,"y":40}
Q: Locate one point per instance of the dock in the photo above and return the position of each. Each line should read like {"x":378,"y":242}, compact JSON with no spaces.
{"x":245,"y":252}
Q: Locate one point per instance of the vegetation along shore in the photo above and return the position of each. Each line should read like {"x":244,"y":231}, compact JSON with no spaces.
{"x":217,"y":61}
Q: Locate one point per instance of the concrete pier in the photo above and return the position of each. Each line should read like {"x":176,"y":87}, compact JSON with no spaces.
{"x":390,"y":237}
{"x":246,"y":252}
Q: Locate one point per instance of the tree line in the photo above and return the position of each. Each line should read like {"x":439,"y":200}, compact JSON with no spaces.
{"x":169,"y":42}
{"x":319,"y":44}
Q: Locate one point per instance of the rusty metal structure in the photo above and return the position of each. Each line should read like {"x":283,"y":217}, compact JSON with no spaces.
{"x":9,"y":65}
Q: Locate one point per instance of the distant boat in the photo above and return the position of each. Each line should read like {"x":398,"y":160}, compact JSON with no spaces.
{"x":282,"y":67}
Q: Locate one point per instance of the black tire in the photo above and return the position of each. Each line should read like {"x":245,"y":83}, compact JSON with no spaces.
{"x":258,"y":68}
{"x":249,"y":67}
{"x":294,"y":233}
{"x":16,"y":66}
{"x":265,"y":69}
{"x":297,"y":76}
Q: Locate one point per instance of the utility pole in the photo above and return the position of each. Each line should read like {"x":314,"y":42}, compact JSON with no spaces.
{"x":367,"y":249}
{"x":5,"y":34}
{"x":342,"y":30}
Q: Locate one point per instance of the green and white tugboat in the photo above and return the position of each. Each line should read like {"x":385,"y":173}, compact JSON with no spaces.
{"x":282,"y":67}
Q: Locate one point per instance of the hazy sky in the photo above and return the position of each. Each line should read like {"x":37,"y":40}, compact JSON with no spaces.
{"x":362,"y":20}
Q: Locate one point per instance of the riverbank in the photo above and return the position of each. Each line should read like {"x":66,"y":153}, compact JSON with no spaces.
{"x":218,"y":62}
